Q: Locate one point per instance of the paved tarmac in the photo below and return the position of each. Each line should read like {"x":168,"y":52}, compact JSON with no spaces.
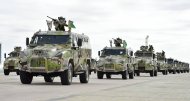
{"x":173,"y":87}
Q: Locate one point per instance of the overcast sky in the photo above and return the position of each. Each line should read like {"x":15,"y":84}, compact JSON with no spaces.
{"x":166,"y":22}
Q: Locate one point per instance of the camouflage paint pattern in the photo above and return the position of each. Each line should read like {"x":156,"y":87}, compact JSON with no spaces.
{"x":12,"y":62}
{"x":115,"y":63}
{"x":55,"y":57}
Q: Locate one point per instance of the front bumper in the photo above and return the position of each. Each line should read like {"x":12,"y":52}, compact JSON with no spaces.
{"x":112,"y":68}
{"x":43,"y":65}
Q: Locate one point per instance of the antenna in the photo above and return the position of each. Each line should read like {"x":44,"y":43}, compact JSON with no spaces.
{"x":146,"y":40}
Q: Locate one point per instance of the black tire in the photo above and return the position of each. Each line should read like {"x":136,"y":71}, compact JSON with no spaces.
{"x":138,"y":73}
{"x":169,"y":71}
{"x":67,"y":75}
{"x":108,"y":76}
{"x":25,"y":77}
{"x":100,"y":75}
{"x":174,"y":72}
{"x":84,"y":77}
{"x":131,"y":75}
{"x":48,"y":79}
{"x":6,"y":72}
{"x":178,"y":71}
{"x":164,"y":72}
{"x":124,"y":74}
{"x":155,"y":73}
{"x":152,"y":73}
{"x":17,"y":72}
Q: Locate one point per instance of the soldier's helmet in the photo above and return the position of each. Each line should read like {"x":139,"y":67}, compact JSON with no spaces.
{"x":61,"y":20}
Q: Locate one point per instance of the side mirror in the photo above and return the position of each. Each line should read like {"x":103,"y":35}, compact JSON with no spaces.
{"x":131,"y":53}
{"x":79,"y":42}
{"x":5,"y":56}
{"x":27,"y":41}
{"x":98,"y":53}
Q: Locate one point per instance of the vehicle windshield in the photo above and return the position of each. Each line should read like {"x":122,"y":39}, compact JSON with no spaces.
{"x":14,"y":54}
{"x":141,"y":54}
{"x":170,"y":61}
{"x":50,"y":39}
{"x":107,"y":52}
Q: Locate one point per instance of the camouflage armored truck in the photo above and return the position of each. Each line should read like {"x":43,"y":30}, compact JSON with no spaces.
{"x":161,"y":63}
{"x":183,"y":68}
{"x":170,"y":65}
{"x":186,"y":66}
{"x":11,"y":63}
{"x":177,"y":66}
{"x":56,"y":53}
{"x":115,"y":60}
{"x":146,"y":61}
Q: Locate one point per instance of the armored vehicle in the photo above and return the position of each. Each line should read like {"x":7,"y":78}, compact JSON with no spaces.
{"x":161,"y":63}
{"x":177,"y":66}
{"x":146,"y":61}
{"x":11,"y":62}
{"x":56,"y":53}
{"x":170,"y":65}
{"x":115,"y":60}
{"x":186,"y":65}
{"x":183,"y":67}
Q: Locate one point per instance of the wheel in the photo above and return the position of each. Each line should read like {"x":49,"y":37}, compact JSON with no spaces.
{"x":138,"y":73}
{"x":155,"y":73}
{"x":6,"y":72}
{"x":25,"y":77}
{"x":174,"y":72}
{"x":124,"y":74}
{"x":108,"y":76}
{"x":84,"y":77}
{"x":67,"y":75}
{"x":100,"y":75}
{"x":169,"y":71}
{"x":131,"y":75}
{"x":152,"y":73}
{"x":17,"y":72}
{"x":48,"y":79}
{"x":164,"y":72}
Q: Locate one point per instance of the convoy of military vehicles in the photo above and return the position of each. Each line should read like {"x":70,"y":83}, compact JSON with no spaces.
{"x":67,"y":55}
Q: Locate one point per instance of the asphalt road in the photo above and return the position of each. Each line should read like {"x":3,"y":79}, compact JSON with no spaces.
{"x":173,"y":87}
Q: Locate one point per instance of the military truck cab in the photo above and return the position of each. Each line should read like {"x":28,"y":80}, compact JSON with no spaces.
{"x":113,"y":61}
{"x":161,"y":63}
{"x":145,"y":61}
{"x":177,"y":66}
{"x":186,"y":66}
{"x":11,"y":62}
{"x":170,"y":65}
{"x":56,"y":53}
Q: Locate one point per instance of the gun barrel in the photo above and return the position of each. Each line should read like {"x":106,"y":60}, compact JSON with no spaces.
{"x":51,"y":18}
